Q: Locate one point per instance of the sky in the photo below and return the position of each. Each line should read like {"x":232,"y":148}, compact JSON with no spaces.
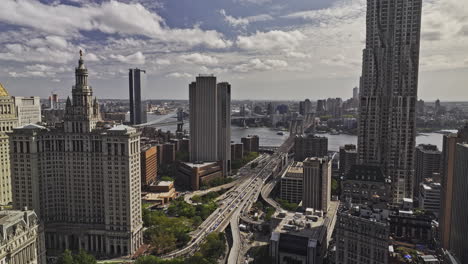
{"x":266,"y":49}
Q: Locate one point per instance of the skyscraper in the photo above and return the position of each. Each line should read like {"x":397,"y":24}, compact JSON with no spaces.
{"x":8,"y":120}
{"x":137,"y":109}
{"x":316,"y":191}
{"x":306,"y":146}
{"x":210,"y":121}
{"x":81,"y":179}
{"x":388,"y":92}
{"x":447,"y":172}
{"x":459,"y":225}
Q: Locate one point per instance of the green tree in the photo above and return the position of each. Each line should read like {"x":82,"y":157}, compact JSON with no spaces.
{"x":84,"y":258}
{"x":65,"y":258}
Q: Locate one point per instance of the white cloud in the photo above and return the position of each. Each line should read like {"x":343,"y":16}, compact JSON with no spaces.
{"x":111,"y":17}
{"x":257,"y":2}
{"x":197,"y":58}
{"x":37,"y":70}
{"x":260,"y":65}
{"x":135,"y":58}
{"x":271,"y":40}
{"x":163,"y":62}
{"x":179,"y":75}
{"x":339,"y":11}
{"x":243,"y":21}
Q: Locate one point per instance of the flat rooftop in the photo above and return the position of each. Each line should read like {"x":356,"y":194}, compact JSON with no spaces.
{"x":311,"y":226}
{"x":199,"y":164}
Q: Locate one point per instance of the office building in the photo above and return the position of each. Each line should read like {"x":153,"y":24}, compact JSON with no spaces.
{"x":429,"y":196}
{"x":135,"y":87}
{"x":321,"y":107}
{"x":291,"y":183}
{"x":22,"y":238}
{"x":169,"y":153}
{"x":251,"y":143}
{"x":82,"y":180}
{"x":54,"y":102}
{"x":364,"y":184}
{"x":427,"y":162}
{"x":316,"y":192}
{"x":408,"y":226}
{"x":388,"y":91}
{"x":448,"y":167}
{"x":28,"y":110}
{"x":302,"y":238}
{"x":348,"y":158}
{"x":458,"y":241}
{"x":195,"y":175}
{"x":356,"y":93}
{"x":210,"y":121}
{"x":306,"y":146}
{"x":362,"y":235}
{"x":305,"y":107}
{"x":237,"y":151}
{"x":8,"y":120}
{"x":149,"y":165}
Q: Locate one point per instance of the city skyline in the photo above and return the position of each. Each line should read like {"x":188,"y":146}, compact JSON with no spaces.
{"x":317,"y":49}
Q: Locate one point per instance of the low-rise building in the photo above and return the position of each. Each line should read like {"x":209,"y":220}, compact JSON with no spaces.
{"x":365,"y":183}
{"x":362,"y":234}
{"x":196,"y":174}
{"x":291,"y":183}
{"x":22,"y":238}
{"x":303,"y":239}
{"x":429,"y":196}
{"x":28,"y":109}
{"x":160,"y":193}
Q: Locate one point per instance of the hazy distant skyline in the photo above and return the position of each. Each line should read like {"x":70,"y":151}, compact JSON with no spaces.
{"x":264,"y":48}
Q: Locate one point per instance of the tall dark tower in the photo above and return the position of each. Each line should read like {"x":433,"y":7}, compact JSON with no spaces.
{"x":137,"y":109}
{"x":389,"y":91}
{"x":82,"y":111}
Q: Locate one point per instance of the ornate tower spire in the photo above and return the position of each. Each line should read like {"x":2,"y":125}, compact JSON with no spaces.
{"x":81,"y":114}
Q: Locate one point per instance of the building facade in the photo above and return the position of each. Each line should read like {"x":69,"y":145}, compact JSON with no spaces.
{"x":28,"y":110}
{"x":362,"y":235}
{"x":81,"y":180}
{"x":388,"y":91}
{"x":306,"y":146}
{"x":195,"y":175}
{"x":316,"y":192}
{"x":429,"y":196}
{"x":251,"y":143}
{"x":22,"y":238}
{"x":348,"y":158}
{"x":459,"y":224}
{"x":137,"y":108}
{"x":291,"y":183}
{"x":149,"y":165}
{"x":8,"y":120}
{"x":364,"y":184}
{"x":427,"y":162}
{"x":210,"y":121}
{"x":448,"y":168}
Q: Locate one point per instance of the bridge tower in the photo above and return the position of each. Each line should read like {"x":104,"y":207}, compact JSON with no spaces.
{"x":180,"y":120}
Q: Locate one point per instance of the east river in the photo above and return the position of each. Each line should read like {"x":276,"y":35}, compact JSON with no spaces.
{"x":269,"y":137}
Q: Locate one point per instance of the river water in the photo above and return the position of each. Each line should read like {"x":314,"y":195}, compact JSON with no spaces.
{"x":269,"y":137}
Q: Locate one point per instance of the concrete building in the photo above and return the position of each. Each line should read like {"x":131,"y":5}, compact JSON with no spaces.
{"x":316,"y":192}
{"x":429,"y":196}
{"x":388,"y":91}
{"x":291,"y":183}
{"x":305,"y":107}
{"x":210,"y":121}
{"x":458,"y":241}
{"x":8,"y":120}
{"x":364,"y":184}
{"x":82,"y":181}
{"x":321,"y":107}
{"x":362,"y":235}
{"x":409,"y":226}
{"x":135,"y":85}
{"x":251,"y":143}
{"x":149,"y":165}
{"x":348,"y":158}
{"x":28,"y":109}
{"x":168,"y":153}
{"x":306,"y":146}
{"x":448,"y":168}
{"x":22,"y":238}
{"x":427,"y":162}
{"x":302,"y":239}
{"x":195,"y":175}
{"x":237,"y":151}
